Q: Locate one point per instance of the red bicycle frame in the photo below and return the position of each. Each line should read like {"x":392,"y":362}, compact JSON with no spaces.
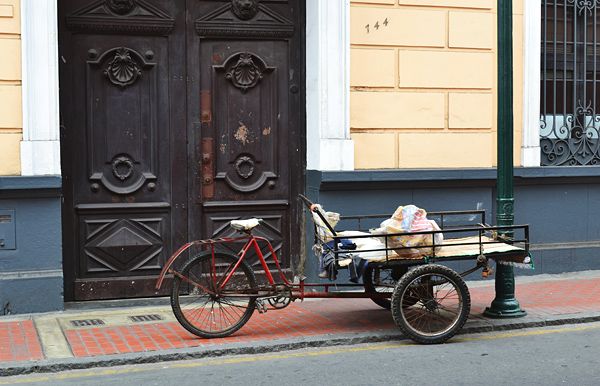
{"x":251,"y":242}
{"x":297,"y":290}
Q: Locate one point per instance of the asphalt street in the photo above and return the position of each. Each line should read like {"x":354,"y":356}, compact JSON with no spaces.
{"x":566,"y":355}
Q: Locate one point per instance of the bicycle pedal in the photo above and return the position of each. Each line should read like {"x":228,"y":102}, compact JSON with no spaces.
{"x":260,"y":306}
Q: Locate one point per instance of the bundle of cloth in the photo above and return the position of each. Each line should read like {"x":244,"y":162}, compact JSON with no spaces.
{"x":405,"y":220}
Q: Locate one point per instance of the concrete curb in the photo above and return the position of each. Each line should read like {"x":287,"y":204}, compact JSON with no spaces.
{"x":472,"y":327}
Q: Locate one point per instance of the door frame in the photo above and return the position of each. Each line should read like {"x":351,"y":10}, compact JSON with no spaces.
{"x":40,"y":148}
{"x":329,"y":145}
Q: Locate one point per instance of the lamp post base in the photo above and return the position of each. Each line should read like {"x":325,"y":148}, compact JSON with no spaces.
{"x":504,"y":309}
{"x":505,"y":305}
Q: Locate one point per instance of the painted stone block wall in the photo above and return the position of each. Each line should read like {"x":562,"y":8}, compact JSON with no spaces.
{"x":423,"y":83}
{"x":10,"y":87}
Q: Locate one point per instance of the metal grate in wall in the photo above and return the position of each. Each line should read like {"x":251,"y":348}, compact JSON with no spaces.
{"x":570,"y":98}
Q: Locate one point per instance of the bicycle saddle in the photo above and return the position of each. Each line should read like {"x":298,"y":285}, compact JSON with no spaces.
{"x":245,"y":225}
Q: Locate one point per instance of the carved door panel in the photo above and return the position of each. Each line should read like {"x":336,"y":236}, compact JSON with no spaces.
{"x":177,"y":116}
{"x":245,"y":114}
{"x":123,"y":137}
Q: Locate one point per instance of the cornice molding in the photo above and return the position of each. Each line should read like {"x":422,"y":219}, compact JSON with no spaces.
{"x":223,"y":22}
{"x":143,"y":19}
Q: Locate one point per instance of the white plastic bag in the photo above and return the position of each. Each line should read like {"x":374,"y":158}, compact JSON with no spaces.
{"x":407,"y":219}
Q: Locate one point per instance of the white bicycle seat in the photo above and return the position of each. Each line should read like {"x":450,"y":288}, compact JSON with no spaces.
{"x":245,"y":225}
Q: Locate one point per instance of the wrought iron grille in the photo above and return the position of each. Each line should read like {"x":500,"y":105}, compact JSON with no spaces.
{"x":570,"y":119}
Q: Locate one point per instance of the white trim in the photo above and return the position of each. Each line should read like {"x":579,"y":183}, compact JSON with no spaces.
{"x":532,"y":36}
{"x":328,"y":144}
{"x":40,"y":148}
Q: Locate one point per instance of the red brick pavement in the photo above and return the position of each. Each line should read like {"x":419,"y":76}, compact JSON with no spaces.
{"x":18,"y":340}
{"x":552,"y":297}
{"x":333,"y":316}
{"x":297,"y":320}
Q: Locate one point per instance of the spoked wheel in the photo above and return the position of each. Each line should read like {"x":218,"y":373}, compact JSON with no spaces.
{"x":382,"y":280}
{"x":202,"y":306}
{"x":440,"y":304}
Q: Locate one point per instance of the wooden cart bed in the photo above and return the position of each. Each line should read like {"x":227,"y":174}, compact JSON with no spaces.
{"x":466,"y":247}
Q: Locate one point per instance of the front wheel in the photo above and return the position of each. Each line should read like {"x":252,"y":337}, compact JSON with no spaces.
{"x":440,"y":304}
{"x":203,"y":305}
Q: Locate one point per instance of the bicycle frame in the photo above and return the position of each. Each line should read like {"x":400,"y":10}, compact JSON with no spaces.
{"x":251,"y":242}
{"x":297,"y":291}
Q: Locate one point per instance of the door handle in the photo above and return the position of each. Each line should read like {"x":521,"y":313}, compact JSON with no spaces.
{"x":207,"y":166}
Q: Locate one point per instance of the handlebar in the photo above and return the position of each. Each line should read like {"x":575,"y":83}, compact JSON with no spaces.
{"x":309,"y":204}
{"x":313,"y":208}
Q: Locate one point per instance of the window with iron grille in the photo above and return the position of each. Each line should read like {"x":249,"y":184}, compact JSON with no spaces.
{"x":570,"y":111}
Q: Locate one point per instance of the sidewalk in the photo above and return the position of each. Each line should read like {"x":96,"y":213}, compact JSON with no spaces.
{"x":125,"y":335}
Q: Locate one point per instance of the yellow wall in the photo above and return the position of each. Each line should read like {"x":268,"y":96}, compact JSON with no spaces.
{"x":10,"y":87}
{"x":423,"y":83}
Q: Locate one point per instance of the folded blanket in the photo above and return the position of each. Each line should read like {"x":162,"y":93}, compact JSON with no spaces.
{"x":407,"y":219}
{"x":501,"y":252}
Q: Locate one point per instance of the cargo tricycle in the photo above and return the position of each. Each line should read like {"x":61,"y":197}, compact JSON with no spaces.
{"x":215,"y":292}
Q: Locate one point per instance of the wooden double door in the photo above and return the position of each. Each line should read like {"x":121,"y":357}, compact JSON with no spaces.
{"x":177,"y":117}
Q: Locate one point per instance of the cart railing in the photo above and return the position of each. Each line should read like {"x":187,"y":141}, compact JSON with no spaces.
{"x":513,"y":235}
{"x":495,"y":235}
{"x":477,"y":216}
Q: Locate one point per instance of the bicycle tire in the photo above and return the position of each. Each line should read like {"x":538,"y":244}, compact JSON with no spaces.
{"x":219,"y":313}
{"x":429,"y":321}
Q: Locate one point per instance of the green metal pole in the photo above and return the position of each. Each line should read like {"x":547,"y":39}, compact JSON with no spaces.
{"x":505,"y":305}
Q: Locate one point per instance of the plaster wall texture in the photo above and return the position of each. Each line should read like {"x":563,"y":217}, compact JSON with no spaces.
{"x":10,"y":87}
{"x":423,"y":83}
{"x":34,"y":266}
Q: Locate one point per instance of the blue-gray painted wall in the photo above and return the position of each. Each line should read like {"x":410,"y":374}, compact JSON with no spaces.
{"x":31,"y":277}
{"x":561,"y":205}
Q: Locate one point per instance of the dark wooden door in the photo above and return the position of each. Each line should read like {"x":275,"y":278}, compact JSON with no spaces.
{"x":245,"y":61}
{"x":177,"y":116}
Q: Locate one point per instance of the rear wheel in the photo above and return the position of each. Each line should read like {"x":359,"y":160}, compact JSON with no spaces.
{"x":440,"y":304}
{"x":205,"y":309}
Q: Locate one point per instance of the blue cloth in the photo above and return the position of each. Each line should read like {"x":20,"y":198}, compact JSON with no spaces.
{"x":327,"y":258}
{"x":357,"y":268}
